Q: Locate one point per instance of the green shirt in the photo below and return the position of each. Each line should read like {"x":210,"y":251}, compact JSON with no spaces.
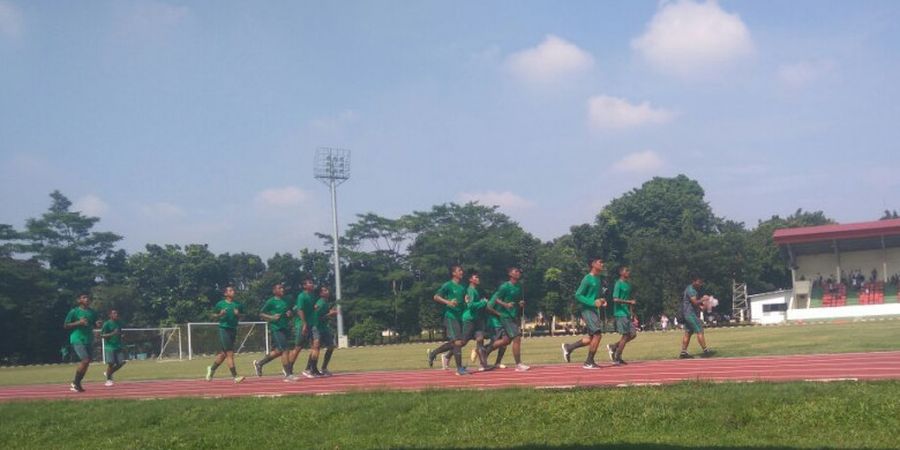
{"x":273,"y":306}
{"x":230,"y":319}
{"x":622,"y":291}
{"x":322,"y":309}
{"x":587,"y":292}
{"x":509,"y":293}
{"x":453,"y":291}
{"x":307,"y":304}
{"x":475,"y":306}
{"x":494,"y":321}
{"x":113,"y":342}
{"x":82,"y":334}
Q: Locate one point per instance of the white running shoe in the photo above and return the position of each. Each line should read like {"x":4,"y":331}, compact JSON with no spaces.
{"x":522,"y":367}
{"x":500,"y":366}
{"x":238,"y":379}
{"x":612,"y":352}
{"x":308,"y":374}
{"x":108,"y":383}
{"x":289,"y":379}
{"x":567,"y":355}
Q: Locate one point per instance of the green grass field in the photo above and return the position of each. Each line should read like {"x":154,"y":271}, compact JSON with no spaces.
{"x":688,"y":415}
{"x":685,"y":415}
{"x":833,"y":337}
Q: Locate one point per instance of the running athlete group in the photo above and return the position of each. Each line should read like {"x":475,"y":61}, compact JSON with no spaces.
{"x":493,"y":324}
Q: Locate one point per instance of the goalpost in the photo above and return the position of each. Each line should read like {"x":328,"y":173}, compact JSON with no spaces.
{"x":203,"y":338}
{"x":149,"y":343}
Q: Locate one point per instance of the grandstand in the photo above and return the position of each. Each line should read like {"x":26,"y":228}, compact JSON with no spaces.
{"x":842,"y":270}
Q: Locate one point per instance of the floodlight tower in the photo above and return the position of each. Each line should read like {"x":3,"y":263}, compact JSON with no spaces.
{"x":332,"y":167}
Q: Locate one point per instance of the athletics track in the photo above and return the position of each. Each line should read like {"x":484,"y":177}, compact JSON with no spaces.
{"x":831,"y":367}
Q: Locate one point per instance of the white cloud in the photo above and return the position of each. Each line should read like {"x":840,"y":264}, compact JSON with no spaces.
{"x":281,"y":197}
{"x":605,"y":112}
{"x":694,"y":39}
{"x":163,"y":210}
{"x":91,"y":205}
{"x":506,"y":200}
{"x":640,"y":162}
{"x":11,"y":22}
{"x":803,"y":73}
{"x":552,"y":60}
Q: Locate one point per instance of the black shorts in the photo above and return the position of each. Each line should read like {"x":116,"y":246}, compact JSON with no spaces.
{"x":226,"y":339}
{"x":326,"y":337}
{"x":280,"y":340}
{"x":471,"y":330}
{"x":453,"y":327}
{"x":510,"y":327}
{"x":301,"y":340}
{"x":84,"y":351}
{"x":114,"y":357}
{"x":592,"y":321}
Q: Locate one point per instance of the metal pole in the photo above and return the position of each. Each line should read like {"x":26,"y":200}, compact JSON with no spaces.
{"x":190,"y":349}
{"x":337,"y":262}
{"x":179,"y":343}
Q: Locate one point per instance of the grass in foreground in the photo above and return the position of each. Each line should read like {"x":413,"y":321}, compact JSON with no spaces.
{"x":688,"y":415}
{"x":833,"y":337}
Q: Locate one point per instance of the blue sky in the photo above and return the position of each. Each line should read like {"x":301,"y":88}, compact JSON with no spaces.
{"x":181,"y":122}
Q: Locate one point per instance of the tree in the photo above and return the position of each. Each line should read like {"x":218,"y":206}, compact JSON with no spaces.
{"x":63,"y":240}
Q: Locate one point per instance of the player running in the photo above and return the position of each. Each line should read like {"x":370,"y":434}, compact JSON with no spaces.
{"x":473,"y":320}
{"x":588,"y":296}
{"x":690,"y":301}
{"x":305,"y":330}
{"x":111,"y":332}
{"x":276,"y":311}
{"x":326,"y":336}
{"x":507,"y":301}
{"x":452,"y":295}
{"x":228,"y":312}
{"x":623,"y":311}
{"x":81,"y":320}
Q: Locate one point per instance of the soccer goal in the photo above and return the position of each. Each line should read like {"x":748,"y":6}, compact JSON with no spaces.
{"x":203,"y":338}
{"x":149,"y":344}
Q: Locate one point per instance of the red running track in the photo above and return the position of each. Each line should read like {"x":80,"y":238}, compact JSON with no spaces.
{"x":844,"y":366}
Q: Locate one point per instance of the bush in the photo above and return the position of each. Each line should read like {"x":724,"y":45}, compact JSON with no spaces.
{"x":366,"y":332}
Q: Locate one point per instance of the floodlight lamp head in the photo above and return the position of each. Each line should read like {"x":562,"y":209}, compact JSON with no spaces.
{"x":332,"y":164}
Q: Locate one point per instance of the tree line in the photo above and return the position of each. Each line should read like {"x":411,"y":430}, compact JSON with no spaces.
{"x":390,"y":267}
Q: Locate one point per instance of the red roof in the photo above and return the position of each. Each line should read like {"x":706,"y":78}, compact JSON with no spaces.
{"x":859,"y":230}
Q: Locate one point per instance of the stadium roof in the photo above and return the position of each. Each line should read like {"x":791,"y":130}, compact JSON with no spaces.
{"x":847,"y":237}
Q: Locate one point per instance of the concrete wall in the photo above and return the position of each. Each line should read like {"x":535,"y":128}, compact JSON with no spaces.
{"x":772,"y":317}
{"x":889,"y":309}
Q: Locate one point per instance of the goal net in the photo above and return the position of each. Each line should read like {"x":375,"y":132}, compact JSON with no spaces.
{"x":149,"y":344}
{"x":203,"y":338}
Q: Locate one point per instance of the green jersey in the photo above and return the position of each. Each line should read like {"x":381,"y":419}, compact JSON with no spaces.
{"x":475,"y":306}
{"x":322,"y":308}
{"x":450,"y":291}
{"x":307,"y":304}
{"x":82,"y":334}
{"x":509,"y":293}
{"x":588,"y":292}
{"x":622,"y":291}
{"x":494,"y":321}
{"x":273,"y":306}
{"x":113,"y":342}
{"x":230,"y":318}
